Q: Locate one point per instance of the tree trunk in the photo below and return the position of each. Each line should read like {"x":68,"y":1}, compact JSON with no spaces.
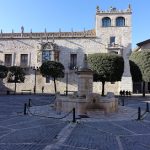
{"x":143,"y":89}
{"x":103,"y":87}
{"x":55,"y":85}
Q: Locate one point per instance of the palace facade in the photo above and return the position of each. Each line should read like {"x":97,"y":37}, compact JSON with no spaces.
{"x":111,"y":34}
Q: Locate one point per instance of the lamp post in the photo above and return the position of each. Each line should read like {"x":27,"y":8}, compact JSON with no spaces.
{"x":35,"y":73}
{"x":67,"y":72}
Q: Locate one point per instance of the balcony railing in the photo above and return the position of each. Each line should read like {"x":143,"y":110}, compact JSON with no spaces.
{"x":114,"y":46}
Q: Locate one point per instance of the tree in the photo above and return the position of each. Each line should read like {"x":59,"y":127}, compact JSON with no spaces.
{"x":106,"y":67}
{"x":16,"y":75}
{"x":140,"y":67}
{"x":52,"y":69}
{"x":3,"y":71}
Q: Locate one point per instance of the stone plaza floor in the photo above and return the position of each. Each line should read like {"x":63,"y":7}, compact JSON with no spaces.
{"x":45,"y":129}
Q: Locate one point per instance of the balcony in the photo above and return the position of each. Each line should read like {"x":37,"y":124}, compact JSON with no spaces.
{"x":73,"y":67}
{"x":114,"y":46}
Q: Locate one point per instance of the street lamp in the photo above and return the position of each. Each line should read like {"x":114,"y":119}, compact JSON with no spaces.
{"x":35,"y":73}
{"x":67,"y":72}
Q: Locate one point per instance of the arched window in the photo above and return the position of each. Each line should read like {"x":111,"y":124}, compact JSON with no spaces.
{"x":120,"y":22}
{"x":106,"y":22}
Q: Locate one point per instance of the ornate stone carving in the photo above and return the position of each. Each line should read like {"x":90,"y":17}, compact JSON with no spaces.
{"x":97,"y":9}
{"x":47,"y":45}
{"x":22,"y":29}
{"x":129,"y":8}
{"x":39,"y":56}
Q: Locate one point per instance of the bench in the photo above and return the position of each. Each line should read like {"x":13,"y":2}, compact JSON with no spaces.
{"x":26,"y":91}
{"x":69,"y":92}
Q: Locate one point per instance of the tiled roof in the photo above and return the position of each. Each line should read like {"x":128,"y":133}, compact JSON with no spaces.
{"x":143,"y":43}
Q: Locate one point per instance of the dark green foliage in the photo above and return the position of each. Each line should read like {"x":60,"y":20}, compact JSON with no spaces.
{"x":106,"y":67}
{"x":135,"y":72}
{"x":52,"y":69}
{"x":3,"y":71}
{"x":140,"y":67}
{"x":16,"y":74}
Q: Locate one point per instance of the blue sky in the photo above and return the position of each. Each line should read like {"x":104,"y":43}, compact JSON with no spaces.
{"x":67,"y":14}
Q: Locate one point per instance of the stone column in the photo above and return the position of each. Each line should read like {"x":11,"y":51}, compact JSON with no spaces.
{"x":85,"y":79}
{"x":85,"y":83}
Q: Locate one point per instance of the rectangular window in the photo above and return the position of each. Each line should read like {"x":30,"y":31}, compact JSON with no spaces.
{"x":73,"y":61}
{"x":112,"y":40}
{"x":24,"y":60}
{"x":8,"y":60}
{"x":48,"y":79}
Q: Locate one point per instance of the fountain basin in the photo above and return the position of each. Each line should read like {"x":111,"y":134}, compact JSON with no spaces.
{"x":83,"y":105}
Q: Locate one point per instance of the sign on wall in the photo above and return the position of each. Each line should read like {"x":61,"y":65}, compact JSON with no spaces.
{"x":46,"y":55}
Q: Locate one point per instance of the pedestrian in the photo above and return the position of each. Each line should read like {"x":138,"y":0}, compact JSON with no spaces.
{"x":42,"y":89}
{"x":121,"y":93}
{"x":127,"y":93}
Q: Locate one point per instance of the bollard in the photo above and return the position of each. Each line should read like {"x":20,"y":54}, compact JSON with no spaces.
{"x":139,"y":113}
{"x":29,"y":102}
{"x":25,"y":108}
{"x":74,"y":116}
{"x":8,"y":92}
{"x":147,"y":107}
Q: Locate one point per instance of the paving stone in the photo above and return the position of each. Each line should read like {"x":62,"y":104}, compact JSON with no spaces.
{"x":138,"y":142}
{"x":147,"y":117}
{"x":69,"y":148}
{"x":90,"y":138}
{"x":17,"y":120}
{"x":135,"y":126}
{"x":3,"y":133}
{"x":34,"y":123}
{"x":21,"y":147}
{"x":108,"y":127}
{"x":44,"y":134}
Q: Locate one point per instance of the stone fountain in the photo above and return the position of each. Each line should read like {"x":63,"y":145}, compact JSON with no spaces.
{"x":84,"y":99}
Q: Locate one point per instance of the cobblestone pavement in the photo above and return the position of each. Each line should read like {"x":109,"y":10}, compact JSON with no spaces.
{"x":117,"y":131}
{"x":24,"y":132}
{"x":113,"y":132}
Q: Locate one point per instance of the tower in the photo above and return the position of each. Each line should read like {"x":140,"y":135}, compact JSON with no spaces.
{"x":114,"y":30}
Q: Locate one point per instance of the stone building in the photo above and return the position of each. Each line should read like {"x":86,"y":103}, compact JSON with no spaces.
{"x":112,"y":34}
